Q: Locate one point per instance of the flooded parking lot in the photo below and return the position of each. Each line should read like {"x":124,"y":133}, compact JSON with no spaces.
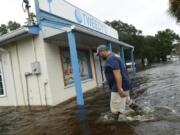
{"x":157,"y":87}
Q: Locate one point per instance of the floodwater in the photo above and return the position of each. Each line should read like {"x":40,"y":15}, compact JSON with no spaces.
{"x":157,"y":87}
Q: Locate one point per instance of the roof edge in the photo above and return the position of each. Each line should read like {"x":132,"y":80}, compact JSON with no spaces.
{"x":102,"y":36}
{"x":16,"y":34}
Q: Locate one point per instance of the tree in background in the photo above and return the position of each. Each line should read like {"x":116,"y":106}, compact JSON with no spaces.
{"x":129,"y":34}
{"x":3,"y":29}
{"x":32,"y":19}
{"x":124,"y":30}
{"x":176,"y":49}
{"x":151,"y":47}
{"x":148,"y":48}
{"x":165,"y":40}
{"x":174,"y":8}
{"x":9,"y":27}
{"x":13,"y":25}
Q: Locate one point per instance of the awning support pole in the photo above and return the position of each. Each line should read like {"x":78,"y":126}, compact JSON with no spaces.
{"x":122,"y":55}
{"x":133,"y":63}
{"x":75,"y":66}
{"x":109,"y":46}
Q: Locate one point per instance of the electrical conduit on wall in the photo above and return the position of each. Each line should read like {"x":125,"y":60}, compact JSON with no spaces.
{"x":35,"y":57}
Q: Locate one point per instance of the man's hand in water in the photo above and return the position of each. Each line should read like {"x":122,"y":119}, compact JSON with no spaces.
{"x":122,"y":93}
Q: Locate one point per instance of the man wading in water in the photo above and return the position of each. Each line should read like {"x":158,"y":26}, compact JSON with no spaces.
{"x":119,"y":82}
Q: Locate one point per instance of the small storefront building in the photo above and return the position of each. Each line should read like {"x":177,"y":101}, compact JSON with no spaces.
{"x":55,"y":60}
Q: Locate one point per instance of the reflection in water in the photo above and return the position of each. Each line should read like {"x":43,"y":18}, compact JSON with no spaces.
{"x":157,"y":87}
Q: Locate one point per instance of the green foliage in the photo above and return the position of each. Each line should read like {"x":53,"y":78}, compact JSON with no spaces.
{"x":124,"y":30}
{"x":150,"y":47}
{"x":165,"y":41}
{"x":176,"y":49}
{"x":32,"y":19}
{"x":129,"y":34}
{"x":13,"y":25}
{"x":174,"y":9}
{"x":3,"y":29}
{"x":9,"y":27}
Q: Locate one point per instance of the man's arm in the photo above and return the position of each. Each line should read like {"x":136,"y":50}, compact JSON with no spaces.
{"x":118,"y":78}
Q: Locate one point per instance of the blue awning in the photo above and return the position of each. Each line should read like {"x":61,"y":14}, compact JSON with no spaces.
{"x":49,"y":32}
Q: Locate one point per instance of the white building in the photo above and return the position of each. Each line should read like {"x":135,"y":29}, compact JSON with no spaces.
{"x":35,"y":65}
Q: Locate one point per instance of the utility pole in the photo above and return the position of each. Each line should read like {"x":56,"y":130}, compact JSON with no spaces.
{"x":28,"y":11}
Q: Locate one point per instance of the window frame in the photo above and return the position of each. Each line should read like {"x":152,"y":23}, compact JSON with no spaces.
{"x":89,"y":64}
{"x":3,"y":82}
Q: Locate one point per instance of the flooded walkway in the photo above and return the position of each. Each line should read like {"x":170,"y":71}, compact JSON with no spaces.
{"x":157,"y":87}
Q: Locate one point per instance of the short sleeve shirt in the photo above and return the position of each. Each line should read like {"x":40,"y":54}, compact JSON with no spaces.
{"x":113,"y":63}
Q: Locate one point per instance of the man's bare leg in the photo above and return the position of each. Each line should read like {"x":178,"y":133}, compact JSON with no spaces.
{"x":115,"y":115}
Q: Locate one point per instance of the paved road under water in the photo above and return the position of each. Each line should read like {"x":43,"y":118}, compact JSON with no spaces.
{"x":157,"y":87}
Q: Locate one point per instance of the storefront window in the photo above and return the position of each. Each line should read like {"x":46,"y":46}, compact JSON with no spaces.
{"x":84,"y":65}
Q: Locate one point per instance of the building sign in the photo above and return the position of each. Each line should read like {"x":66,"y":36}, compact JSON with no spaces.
{"x":69,"y":12}
{"x":89,"y":21}
{"x":84,"y":65}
